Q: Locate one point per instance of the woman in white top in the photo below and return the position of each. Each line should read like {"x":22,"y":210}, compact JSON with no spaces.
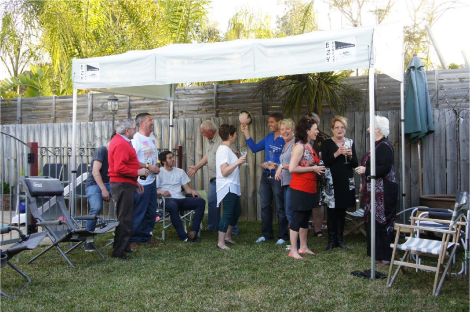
{"x":228,"y":184}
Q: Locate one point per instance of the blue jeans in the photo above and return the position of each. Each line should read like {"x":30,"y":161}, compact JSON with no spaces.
{"x":269,"y":189}
{"x":287,"y":203}
{"x":145,"y":212}
{"x":93,"y":193}
{"x":232,"y":211}
{"x":213,"y":213}
{"x":175,"y":205}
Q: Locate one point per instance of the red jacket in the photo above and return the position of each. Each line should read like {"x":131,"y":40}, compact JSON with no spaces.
{"x":123,"y":162}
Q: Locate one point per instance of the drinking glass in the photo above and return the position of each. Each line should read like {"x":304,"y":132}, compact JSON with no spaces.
{"x":347,"y":144}
{"x":244,"y":152}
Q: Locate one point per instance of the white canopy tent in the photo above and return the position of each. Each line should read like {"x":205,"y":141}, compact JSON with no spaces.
{"x":155,"y":73}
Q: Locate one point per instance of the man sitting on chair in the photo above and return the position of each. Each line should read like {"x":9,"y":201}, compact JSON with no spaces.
{"x":169,"y":184}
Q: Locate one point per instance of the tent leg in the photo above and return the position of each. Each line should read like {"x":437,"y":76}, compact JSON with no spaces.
{"x":372,"y":169}
{"x":74,"y":153}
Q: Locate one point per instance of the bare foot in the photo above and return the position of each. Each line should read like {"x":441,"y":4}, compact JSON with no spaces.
{"x":223,"y":247}
{"x":307,"y":251}
{"x":295,"y":256}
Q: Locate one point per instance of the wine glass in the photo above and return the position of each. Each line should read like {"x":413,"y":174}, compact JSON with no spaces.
{"x":347,"y":144}
{"x":244,"y":152}
{"x":270,"y":162}
{"x":320,"y":163}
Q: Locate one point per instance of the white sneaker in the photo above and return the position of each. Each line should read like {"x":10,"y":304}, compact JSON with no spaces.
{"x":261,"y":239}
{"x":280,"y":241}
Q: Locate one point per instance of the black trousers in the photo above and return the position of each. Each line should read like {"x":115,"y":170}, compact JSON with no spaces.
{"x":300,"y":220}
{"x":123,"y":194}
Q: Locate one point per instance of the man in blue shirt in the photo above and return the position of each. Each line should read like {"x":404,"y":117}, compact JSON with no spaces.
{"x":270,"y":188}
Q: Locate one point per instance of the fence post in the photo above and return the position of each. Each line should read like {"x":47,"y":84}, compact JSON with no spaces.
{"x":128,"y":107}
{"x":33,"y":171}
{"x":18,"y":111}
{"x":436,"y":80}
{"x":216,"y":104}
{"x":53,"y":109}
{"x":90,"y":106}
{"x":264,"y":110}
{"x":33,"y":159}
{"x":179,"y":155}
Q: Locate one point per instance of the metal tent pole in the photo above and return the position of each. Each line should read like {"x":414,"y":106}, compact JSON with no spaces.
{"x":74,"y":153}
{"x":372,"y":166}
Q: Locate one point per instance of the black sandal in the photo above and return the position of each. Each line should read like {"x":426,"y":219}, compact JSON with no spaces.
{"x":318,"y":234}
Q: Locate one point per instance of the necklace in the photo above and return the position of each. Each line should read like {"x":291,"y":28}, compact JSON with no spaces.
{"x":340,"y":143}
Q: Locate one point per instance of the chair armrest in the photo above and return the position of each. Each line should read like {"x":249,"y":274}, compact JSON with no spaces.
{"x":49,"y":223}
{"x":437,"y":220}
{"x":424,"y":228}
{"x":85,"y":218}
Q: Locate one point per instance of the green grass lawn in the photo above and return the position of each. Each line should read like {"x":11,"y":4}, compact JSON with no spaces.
{"x":179,"y":276}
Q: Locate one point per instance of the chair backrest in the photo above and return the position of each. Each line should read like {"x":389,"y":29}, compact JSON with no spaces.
{"x":80,"y":189}
{"x":54,"y":170}
{"x":47,"y":203}
{"x":461,"y":205}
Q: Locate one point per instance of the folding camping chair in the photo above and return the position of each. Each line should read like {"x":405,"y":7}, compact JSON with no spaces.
{"x":442,"y":249}
{"x":442,"y":214}
{"x":26,"y":242}
{"x":164,"y":217}
{"x":55,"y":219}
{"x":357,"y":218}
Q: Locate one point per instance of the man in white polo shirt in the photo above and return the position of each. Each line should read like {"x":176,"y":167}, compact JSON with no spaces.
{"x":170,"y":181}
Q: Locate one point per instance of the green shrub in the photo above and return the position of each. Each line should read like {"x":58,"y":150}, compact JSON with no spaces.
{"x":7,"y":189}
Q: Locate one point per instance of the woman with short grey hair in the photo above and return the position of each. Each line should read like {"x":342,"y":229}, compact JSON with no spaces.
{"x":386,"y":192}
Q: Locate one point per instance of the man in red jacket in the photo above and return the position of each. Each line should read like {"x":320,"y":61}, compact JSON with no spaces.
{"x":124,"y":168}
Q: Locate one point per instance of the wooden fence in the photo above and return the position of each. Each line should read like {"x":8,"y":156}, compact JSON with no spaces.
{"x":445,"y":87}
{"x":439,"y":149}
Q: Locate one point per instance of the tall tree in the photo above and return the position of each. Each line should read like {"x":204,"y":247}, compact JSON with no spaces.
{"x":249,"y":24}
{"x":17,"y":33}
{"x":353,"y":10}
{"x":422,"y":13}
{"x":299,"y":18}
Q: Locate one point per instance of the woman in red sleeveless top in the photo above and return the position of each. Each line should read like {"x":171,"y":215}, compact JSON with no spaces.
{"x":304,"y":169}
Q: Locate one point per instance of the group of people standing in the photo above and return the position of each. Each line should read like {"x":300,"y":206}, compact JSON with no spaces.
{"x":304,"y":170}
{"x":310,"y":170}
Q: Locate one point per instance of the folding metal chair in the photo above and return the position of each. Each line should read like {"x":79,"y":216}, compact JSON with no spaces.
{"x":443,"y":249}
{"x":26,"y":242}
{"x":55,"y":219}
{"x":164,"y":217}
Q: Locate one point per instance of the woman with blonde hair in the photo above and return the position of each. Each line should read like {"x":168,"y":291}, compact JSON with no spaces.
{"x":339,"y":156}
{"x":282,"y":174}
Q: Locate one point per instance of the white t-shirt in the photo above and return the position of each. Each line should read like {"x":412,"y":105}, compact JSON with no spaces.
{"x":146,"y":153}
{"x":230,"y":183}
{"x":172,"y":181}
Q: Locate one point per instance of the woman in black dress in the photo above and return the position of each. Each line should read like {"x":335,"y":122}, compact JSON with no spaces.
{"x":386,"y":192}
{"x":339,"y":155}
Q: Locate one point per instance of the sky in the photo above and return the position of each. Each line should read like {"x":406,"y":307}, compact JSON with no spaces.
{"x":450,"y":31}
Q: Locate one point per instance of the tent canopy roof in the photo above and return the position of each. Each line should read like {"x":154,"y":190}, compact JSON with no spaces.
{"x":151,"y":73}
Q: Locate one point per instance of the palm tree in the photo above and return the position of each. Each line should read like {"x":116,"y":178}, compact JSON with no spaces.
{"x":310,"y":90}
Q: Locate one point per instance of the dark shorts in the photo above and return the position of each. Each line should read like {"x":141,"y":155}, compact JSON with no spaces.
{"x":302,"y":201}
